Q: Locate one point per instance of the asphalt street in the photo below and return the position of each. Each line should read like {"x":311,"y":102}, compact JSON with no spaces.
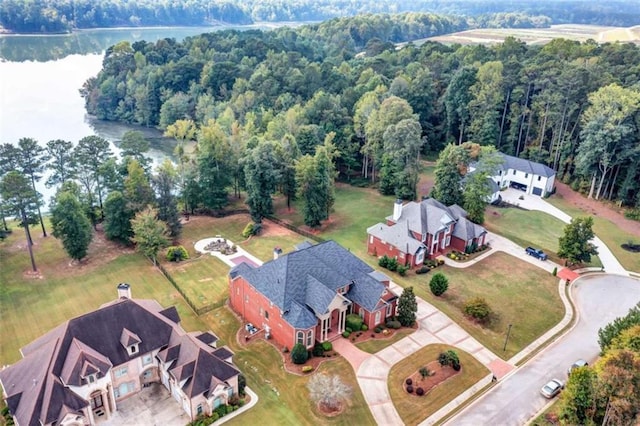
{"x":599,"y":299}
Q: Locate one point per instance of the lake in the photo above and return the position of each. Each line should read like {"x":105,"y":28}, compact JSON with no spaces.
{"x":39,"y":81}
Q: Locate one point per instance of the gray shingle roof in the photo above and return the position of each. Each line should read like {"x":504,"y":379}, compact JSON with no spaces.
{"x":397,"y":235}
{"x":288,"y":280}
{"x":467,"y":230}
{"x":526,"y":166}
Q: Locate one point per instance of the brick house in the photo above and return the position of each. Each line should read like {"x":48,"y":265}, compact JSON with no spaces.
{"x":417,"y":231}
{"x":78,"y":372}
{"x":304,"y":296}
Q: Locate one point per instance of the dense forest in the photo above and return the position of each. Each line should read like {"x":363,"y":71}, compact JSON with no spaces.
{"x":56,"y":16}
{"x":571,"y":105}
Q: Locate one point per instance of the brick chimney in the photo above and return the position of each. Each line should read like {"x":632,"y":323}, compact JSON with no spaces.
{"x":124,"y":291}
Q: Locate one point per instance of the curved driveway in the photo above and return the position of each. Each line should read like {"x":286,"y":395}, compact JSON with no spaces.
{"x":599,"y":299}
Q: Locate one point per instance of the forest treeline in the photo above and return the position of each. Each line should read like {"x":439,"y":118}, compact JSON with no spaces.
{"x":56,"y":16}
{"x":571,"y":105}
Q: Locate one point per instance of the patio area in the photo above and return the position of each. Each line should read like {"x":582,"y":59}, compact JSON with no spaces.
{"x":152,"y":406}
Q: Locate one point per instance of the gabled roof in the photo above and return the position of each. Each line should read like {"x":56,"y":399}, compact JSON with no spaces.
{"x":526,"y":166}
{"x":427,"y":217}
{"x":467,"y":230}
{"x":307,"y":279}
{"x":37,"y":387}
{"x":397,"y":235}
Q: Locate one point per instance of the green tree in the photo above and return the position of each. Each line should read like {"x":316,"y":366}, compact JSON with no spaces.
{"x":578,"y":400}
{"x":574,"y":244}
{"x":20,"y":199}
{"x":477,"y":308}
{"x":165,"y":181}
{"x":32,"y":159}
{"x":457,"y":99}
{"x":214,"y":165}
{"x":448,"y":172}
{"x":71,"y":225}
{"x":299,"y":354}
{"x":90,"y":154}
{"x":182,"y":131}
{"x":61,"y":162}
{"x":135,"y":145}
{"x":149,"y":233}
{"x":407,"y":307}
{"x":262,"y":174}
{"x":117,"y":218}
{"x":401,"y":144}
{"x":438,"y":284}
{"x":137,"y":188}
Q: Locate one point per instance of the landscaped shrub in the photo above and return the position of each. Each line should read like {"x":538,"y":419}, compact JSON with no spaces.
{"x":409,"y":388}
{"x":393,"y":264}
{"x":423,"y":270}
{"x":307,"y":369}
{"x":318,"y":350}
{"x":633,"y":214}
{"x":299,"y":354}
{"x":449,"y":357}
{"x":438,"y":284}
{"x":394,"y":324}
{"x":424,"y":372}
{"x":477,"y":308}
{"x":402,"y":270}
{"x":378,"y":329}
{"x":327,"y":346}
{"x":409,"y":381}
{"x":242,"y":383}
{"x":419,"y":391}
{"x":364,"y":327}
{"x":384,"y":261}
{"x":248,"y":230}
{"x":348,"y":329}
{"x":354,"y":322}
{"x":555,"y":271}
{"x":177,"y":253}
{"x":346,"y":334}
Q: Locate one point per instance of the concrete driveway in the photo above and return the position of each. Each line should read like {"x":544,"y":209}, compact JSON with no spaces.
{"x":533,"y":202}
{"x":515,"y":400}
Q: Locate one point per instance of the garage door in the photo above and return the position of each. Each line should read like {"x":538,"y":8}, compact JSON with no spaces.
{"x":537,"y":191}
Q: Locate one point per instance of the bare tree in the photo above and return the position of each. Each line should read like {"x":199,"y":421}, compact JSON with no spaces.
{"x":328,"y":391}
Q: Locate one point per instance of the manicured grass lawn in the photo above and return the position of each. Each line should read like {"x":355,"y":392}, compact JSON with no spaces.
{"x":29,"y":307}
{"x":203,"y":279}
{"x":375,"y":345}
{"x":529,"y":228}
{"x":284,"y":398}
{"x":519,"y":293}
{"x":608,"y":232}
{"x":413,"y":409}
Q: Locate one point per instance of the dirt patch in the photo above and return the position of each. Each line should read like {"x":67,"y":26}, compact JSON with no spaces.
{"x":330,"y":411}
{"x":606,"y":210}
{"x":437,"y":375}
{"x":270,"y":229}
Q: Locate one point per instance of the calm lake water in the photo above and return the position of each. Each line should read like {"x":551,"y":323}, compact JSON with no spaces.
{"x":39,"y":81}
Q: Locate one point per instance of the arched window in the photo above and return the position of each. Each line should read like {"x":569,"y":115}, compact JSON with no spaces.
{"x":300,"y":337}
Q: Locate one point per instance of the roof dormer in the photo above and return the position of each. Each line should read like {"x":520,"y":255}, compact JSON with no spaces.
{"x":130,"y":341}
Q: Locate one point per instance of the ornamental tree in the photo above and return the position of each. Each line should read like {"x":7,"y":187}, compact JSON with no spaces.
{"x":439,"y":284}
{"x":407,"y":307}
{"x":575,"y":244}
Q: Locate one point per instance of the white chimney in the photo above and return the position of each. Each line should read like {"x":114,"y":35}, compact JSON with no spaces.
{"x":397,"y":210}
{"x":277,"y":251}
{"x":124,"y":291}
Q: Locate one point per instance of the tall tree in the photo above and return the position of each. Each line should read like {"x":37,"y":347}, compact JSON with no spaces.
{"x":182,"y":131}
{"x":477,"y":186}
{"x":457,"y":99}
{"x":61,"y":161}
{"x":71,"y":225}
{"x":165,"y":182}
{"x":32,"y":159}
{"x":262,"y":173}
{"x":117,"y":218}
{"x":20,"y":199}
{"x":149,"y":233}
{"x":578,"y":400}
{"x":407,"y":307}
{"x":135,"y":145}
{"x":90,"y":154}
{"x":401,"y":145}
{"x":450,"y":168}
{"x":575,"y":245}
{"x":214,"y":165}
{"x":137,"y":188}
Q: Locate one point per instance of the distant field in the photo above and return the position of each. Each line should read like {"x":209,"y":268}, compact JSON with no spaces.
{"x":541,"y":35}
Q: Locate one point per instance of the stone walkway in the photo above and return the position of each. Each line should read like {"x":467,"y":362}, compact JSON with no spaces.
{"x":229,"y":259}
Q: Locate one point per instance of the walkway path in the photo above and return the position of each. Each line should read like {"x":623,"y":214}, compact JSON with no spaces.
{"x":533,"y":202}
{"x":241,"y":255}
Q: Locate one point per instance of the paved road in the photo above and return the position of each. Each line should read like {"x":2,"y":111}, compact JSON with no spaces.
{"x":599,"y":299}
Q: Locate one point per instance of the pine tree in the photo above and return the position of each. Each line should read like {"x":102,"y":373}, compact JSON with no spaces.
{"x":407,"y":307}
{"x":71,"y":225}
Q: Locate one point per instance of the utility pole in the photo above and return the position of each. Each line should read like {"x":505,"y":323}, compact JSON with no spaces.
{"x":507,"y":339}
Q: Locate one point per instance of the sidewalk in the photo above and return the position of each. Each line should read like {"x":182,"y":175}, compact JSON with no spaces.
{"x":241,"y":255}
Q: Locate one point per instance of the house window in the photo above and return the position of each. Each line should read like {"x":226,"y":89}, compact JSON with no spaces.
{"x":124,"y":389}
{"x":539,"y":178}
{"x":300,"y":337}
{"x":371,"y":239}
{"x":230,"y":392}
{"x":246,"y":298}
{"x":147,"y":359}
{"x":217,"y":402}
{"x":266,"y":314}
{"x":448,"y":241}
{"x":91,"y":378}
{"x":499,"y":172}
{"x":147,"y":374}
{"x":389,"y":309}
{"x":514,"y":172}
{"x":133,"y":349}
{"x":526,"y":175}
{"x":377,"y":321}
{"x":309,"y":338}
{"x":199,"y":410}
{"x":238,"y":290}
{"x":121,"y":372}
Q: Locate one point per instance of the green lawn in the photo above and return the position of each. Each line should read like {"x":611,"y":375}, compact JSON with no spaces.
{"x":284,"y":398}
{"x":29,"y":307}
{"x":529,"y":228}
{"x":519,"y":293}
{"x":203,"y":279}
{"x":413,"y":409}
{"x":608,"y":232}
{"x":376,"y":345}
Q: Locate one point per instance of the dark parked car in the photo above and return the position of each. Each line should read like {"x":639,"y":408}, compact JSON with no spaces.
{"x":537,"y":253}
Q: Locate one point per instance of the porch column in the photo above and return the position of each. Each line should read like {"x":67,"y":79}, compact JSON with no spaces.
{"x":105,"y":403}
{"x":341,"y":318}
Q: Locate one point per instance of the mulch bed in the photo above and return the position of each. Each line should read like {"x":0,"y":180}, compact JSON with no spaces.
{"x":363,"y":336}
{"x":438,"y":375}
